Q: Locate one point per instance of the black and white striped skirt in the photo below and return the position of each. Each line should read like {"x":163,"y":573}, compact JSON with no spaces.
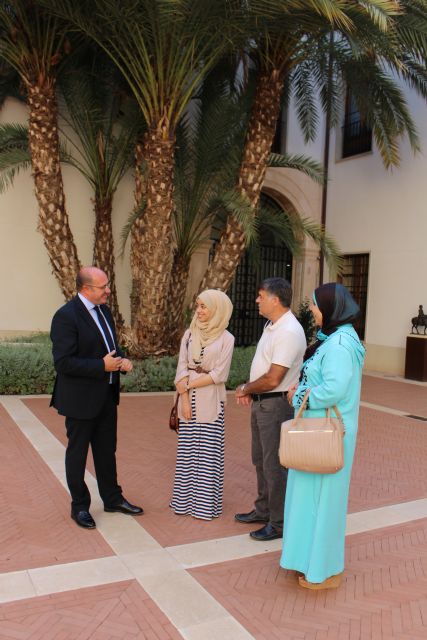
{"x":199,"y":474}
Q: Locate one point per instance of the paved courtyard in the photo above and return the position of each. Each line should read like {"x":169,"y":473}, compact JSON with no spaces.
{"x":164,"y":576}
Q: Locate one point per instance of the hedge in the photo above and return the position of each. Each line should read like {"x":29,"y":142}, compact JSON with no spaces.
{"x":26,"y":368}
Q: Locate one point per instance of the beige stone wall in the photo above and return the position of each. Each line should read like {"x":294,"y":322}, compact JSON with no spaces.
{"x":288,"y":186}
{"x":390,"y":360}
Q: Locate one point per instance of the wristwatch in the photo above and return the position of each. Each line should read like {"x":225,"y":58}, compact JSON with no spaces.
{"x":242,"y":387}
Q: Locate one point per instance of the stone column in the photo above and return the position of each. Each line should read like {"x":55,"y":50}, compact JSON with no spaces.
{"x":305,"y":275}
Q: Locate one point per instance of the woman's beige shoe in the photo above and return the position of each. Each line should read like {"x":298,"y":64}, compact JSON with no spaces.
{"x":330,"y":583}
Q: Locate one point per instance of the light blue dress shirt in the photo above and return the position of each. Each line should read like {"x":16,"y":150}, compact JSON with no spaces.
{"x":91,"y":308}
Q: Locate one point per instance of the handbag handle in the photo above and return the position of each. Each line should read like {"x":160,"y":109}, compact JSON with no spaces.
{"x":328,"y":410}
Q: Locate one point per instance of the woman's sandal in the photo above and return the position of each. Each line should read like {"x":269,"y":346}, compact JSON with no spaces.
{"x":333,"y":582}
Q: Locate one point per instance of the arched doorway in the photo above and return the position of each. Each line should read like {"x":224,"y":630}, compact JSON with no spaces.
{"x":269,"y":259}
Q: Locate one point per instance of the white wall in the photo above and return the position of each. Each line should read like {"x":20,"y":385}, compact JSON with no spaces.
{"x":384,"y":213}
{"x":29,"y":291}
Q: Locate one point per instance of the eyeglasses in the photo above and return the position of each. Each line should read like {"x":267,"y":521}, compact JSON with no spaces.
{"x":97,"y":286}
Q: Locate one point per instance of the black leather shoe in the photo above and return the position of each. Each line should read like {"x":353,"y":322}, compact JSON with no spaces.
{"x":125,"y":507}
{"x":266,"y":533}
{"x":250,"y":517}
{"x":84,"y":519}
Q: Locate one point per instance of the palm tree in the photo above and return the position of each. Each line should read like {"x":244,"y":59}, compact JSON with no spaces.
{"x":164,"y":49}
{"x":35,"y":46}
{"x":102,"y":129}
{"x":100,"y":139}
{"x":210,"y":142}
{"x":292,"y":51}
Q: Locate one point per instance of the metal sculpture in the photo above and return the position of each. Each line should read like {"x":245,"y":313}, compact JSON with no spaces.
{"x":419,"y":321}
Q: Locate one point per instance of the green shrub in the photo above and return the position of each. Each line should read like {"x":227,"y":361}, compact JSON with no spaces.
{"x":35,"y":338}
{"x":306,"y":319}
{"x":240,"y":366}
{"x":135,"y":381}
{"x":151,"y":374}
{"x":26,"y":367}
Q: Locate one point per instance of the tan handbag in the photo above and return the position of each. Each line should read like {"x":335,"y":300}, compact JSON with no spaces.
{"x":312,"y":444}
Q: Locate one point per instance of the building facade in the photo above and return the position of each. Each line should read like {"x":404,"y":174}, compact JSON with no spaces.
{"x":377,"y":217}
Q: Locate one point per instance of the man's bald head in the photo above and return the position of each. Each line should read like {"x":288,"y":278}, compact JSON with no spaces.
{"x":92,"y":283}
{"x":87,"y":275}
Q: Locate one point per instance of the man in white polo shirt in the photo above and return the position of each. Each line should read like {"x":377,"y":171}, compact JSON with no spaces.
{"x":275,"y":368}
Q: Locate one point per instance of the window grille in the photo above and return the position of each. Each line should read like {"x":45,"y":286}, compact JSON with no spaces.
{"x":355,"y":277}
{"x":357,"y":136}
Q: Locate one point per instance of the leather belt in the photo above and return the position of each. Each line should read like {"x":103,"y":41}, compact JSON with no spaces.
{"x":257,"y":397}
{"x":198,"y":369}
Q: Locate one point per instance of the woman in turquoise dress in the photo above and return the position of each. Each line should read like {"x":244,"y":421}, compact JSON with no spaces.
{"x":316,"y":504}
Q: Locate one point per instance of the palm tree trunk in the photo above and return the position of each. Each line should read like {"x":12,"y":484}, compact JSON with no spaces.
{"x":177,"y":291}
{"x":136,"y":231}
{"x":152,"y":244}
{"x":49,"y":189}
{"x":261,"y":129}
{"x":103,"y":253}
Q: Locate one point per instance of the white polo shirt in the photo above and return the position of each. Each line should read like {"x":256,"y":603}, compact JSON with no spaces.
{"x":281,"y":343}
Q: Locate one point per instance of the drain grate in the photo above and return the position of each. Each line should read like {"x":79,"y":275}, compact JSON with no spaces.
{"x":416,"y":417}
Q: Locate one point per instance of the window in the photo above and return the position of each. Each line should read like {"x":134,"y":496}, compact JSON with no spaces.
{"x":279,"y":141}
{"x":355,"y":277}
{"x":357,"y":136}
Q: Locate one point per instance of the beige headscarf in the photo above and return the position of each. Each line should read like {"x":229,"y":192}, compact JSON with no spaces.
{"x":204,"y":333}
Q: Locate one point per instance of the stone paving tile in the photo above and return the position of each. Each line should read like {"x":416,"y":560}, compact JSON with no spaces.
{"x":35,"y":527}
{"x":120,"y":611}
{"x":395,"y":394}
{"x":383,"y":595}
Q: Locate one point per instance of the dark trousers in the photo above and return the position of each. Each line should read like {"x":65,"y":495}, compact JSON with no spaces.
{"x":266,"y":419}
{"x":101,"y":434}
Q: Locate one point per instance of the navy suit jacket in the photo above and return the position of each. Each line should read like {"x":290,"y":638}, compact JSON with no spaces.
{"x":78,"y":349}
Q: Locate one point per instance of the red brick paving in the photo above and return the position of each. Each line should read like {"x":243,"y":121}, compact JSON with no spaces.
{"x":389,"y":464}
{"x":402,"y":396}
{"x":119,"y":611}
{"x":390,"y":461}
{"x":146,"y":465}
{"x":383,"y":595}
{"x":35,"y":525}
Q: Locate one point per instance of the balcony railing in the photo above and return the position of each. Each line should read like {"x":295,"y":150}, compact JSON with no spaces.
{"x":357,"y":138}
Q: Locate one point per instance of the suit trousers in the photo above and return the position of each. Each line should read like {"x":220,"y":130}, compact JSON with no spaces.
{"x":266,"y":418}
{"x":101,"y":434}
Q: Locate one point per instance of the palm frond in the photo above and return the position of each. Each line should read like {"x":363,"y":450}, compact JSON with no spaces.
{"x":325,"y":242}
{"x":137,"y":213}
{"x":232,"y":203}
{"x":305,"y":100}
{"x":14,"y":153}
{"x":299,"y":162}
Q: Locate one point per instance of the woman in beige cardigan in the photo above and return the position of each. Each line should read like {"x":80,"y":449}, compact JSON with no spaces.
{"x":203,"y":368}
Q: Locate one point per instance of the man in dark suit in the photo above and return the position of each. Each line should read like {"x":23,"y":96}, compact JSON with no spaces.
{"x":88,"y":362}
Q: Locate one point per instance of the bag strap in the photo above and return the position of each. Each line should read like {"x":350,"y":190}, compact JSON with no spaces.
{"x":328,"y":410}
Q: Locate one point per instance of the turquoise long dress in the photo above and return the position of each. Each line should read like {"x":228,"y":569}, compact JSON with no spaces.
{"x":316,"y":504}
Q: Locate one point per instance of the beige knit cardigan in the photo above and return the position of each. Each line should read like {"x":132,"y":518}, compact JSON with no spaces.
{"x":217,"y":360}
